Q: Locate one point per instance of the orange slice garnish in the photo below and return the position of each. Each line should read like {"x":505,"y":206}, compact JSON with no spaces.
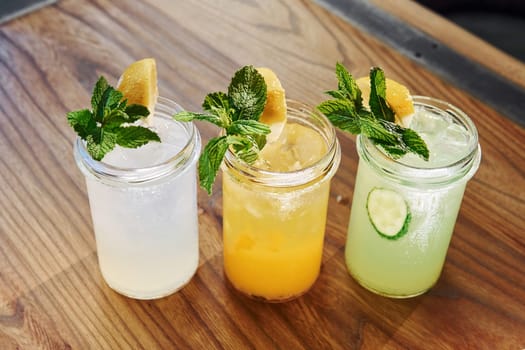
{"x":138,"y":84}
{"x":274,"y":114}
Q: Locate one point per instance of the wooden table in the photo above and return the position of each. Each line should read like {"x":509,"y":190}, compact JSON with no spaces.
{"x":52,"y":295}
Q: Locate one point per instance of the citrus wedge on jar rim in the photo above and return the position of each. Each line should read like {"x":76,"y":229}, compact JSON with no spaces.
{"x":398,"y":98}
{"x":138,"y":84}
{"x":274,"y":114}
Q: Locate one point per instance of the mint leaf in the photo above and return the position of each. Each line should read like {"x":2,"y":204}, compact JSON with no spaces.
{"x":339,"y":95}
{"x":376,"y":131}
{"x":129,"y":114}
{"x":348,"y":86}
{"x":82,"y":122}
{"x":260,"y":140}
{"x":98,"y":91}
{"x":247,"y":92}
{"x":135,"y":112}
{"x":340,"y":106}
{"x":116,"y":118}
{"x":245,"y":148}
{"x":109,"y":101}
{"x":114,"y":98}
{"x":185,"y":116}
{"x":415,"y":143}
{"x":210,"y":161}
{"x":394,"y":151}
{"x":401,"y":141}
{"x":248,"y":127}
{"x":342,"y":114}
{"x":102,"y":128}
{"x":218,"y":104}
{"x":377,"y":101}
{"x":100,"y":109}
{"x":135,"y":136}
{"x":99,"y":146}
{"x":237,"y":113}
{"x":216,"y":101}
{"x":346,"y":112}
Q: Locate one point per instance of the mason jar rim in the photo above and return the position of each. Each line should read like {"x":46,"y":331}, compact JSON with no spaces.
{"x":461,"y":168}
{"x":324,"y":167}
{"x":164,"y":108}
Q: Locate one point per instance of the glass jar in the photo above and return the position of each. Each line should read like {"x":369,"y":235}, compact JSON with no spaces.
{"x":144,"y":210}
{"x":274,"y":222}
{"x":426,"y":195}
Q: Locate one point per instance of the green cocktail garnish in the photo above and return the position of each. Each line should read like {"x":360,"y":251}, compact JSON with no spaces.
{"x":109,"y":121}
{"x":347,"y":112}
{"x":237,"y":112}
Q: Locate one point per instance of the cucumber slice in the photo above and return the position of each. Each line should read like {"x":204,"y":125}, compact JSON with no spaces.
{"x":388,"y":212}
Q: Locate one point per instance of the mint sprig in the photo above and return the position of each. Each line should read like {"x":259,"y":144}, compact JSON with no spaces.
{"x":346,"y":112}
{"x":237,"y":112}
{"x":109,"y":121}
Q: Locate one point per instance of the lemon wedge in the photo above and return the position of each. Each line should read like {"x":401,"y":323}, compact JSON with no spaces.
{"x":274,"y":114}
{"x":138,"y":84}
{"x":397,"y":95}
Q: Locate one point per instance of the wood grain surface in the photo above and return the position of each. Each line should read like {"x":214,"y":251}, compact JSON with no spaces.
{"x":52,"y":295}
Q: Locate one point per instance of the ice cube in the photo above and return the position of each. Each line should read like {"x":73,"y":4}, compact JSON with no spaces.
{"x":427,"y":122}
{"x":455,"y":134}
{"x":298,"y":148}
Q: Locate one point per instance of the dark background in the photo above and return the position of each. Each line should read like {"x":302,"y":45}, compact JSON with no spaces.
{"x":500,"y":22}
